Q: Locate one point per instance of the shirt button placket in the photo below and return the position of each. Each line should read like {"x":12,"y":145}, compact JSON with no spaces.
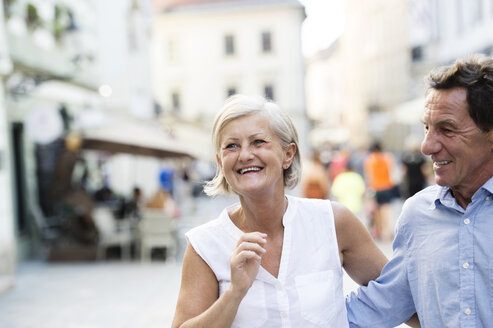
{"x":282,"y":299}
{"x":466,"y":260}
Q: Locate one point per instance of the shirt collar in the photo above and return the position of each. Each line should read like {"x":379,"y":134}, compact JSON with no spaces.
{"x":488,"y":186}
{"x":444,"y":195}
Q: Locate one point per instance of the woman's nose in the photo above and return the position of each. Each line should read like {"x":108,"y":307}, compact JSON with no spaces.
{"x":246,"y":153}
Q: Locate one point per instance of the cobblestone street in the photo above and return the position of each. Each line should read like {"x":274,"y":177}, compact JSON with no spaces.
{"x":105,"y":294}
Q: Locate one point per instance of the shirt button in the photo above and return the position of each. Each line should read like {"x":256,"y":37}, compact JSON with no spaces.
{"x":487,"y":197}
{"x":465,"y":265}
{"x":467,"y":311}
{"x":467,"y":221}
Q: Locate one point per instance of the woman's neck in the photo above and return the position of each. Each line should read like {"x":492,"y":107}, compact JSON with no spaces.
{"x":261,"y":214}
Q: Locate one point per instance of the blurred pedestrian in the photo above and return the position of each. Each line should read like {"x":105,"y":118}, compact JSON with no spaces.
{"x":415,"y":168}
{"x":338,"y":163}
{"x":378,"y":174}
{"x":134,"y":205}
{"x":315,"y":180}
{"x":348,"y":188}
{"x":163,"y":200}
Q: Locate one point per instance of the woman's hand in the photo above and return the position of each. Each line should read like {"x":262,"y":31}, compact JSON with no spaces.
{"x":245,"y":261}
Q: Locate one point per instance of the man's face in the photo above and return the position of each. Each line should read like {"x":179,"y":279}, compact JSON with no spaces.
{"x":461,"y":153}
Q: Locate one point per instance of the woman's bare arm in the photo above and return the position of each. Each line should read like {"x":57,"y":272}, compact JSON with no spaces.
{"x":199,"y":303}
{"x":360,"y":256}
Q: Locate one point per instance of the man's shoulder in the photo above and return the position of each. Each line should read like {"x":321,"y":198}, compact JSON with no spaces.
{"x":421,"y":202}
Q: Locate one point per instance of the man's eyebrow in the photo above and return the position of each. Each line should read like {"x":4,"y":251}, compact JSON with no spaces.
{"x":448,"y":123}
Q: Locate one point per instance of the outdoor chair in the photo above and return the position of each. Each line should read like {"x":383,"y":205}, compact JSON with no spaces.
{"x":156,"y":230}
{"x":112,"y":232}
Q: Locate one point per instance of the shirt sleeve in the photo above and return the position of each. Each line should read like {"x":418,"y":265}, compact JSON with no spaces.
{"x":386,"y":301}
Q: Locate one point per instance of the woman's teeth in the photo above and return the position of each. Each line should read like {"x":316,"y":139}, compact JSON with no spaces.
{"x":249,"y":169}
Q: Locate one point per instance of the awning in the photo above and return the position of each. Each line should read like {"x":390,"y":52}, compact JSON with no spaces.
{"x":137,"y":137}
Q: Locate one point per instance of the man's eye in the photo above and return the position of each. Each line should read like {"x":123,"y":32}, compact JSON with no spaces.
{"x":446,"y":130}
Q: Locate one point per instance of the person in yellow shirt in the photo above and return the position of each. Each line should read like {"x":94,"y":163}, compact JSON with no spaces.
{"x":348,"y":188}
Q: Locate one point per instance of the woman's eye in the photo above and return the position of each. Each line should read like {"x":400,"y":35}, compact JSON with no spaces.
{"x":259,"y":141}
{"x":231,"y":146}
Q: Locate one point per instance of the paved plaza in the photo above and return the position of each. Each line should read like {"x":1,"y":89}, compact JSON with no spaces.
{"x":109,"y":294}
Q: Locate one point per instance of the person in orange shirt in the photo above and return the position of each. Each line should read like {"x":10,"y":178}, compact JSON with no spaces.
{"x":378,"y":167}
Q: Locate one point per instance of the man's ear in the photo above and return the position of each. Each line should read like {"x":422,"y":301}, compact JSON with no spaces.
{"x":490,"y":138}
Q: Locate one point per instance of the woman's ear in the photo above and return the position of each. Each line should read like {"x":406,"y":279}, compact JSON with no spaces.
{"x":289,"y":153}
{"x":219,"y":162}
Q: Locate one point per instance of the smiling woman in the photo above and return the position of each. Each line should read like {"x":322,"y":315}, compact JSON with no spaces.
{"x":279,"y":127}
{"x":250,"y":266}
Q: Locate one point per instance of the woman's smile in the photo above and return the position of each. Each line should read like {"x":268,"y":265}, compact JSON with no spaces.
{"x":251,"y":169}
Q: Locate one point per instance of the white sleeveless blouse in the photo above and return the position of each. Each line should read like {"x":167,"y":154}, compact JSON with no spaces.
{"x":308,"y":291}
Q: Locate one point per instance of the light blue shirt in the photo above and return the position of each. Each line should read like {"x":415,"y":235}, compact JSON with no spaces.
{"x":442,"y":266}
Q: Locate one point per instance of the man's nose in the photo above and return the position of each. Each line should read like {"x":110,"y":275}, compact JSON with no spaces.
{"x":430,"y":144}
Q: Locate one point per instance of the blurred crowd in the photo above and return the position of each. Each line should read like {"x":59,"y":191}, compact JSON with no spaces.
{"x":368,"y":181}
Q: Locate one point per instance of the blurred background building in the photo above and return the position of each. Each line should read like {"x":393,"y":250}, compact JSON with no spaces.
{"x":205,"y":51}
{"x":369,"y":83}
{"x":110,"y":95}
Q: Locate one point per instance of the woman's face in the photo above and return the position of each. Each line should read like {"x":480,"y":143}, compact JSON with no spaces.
{"x":251,"y":157}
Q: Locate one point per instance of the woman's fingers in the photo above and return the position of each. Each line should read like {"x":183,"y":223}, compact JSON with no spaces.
{"x":249,"y":247}
{"x":245,"y":260}
{"x":252,"y":237}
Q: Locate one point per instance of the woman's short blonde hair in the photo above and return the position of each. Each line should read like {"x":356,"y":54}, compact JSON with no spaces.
{"x":239,"y":106}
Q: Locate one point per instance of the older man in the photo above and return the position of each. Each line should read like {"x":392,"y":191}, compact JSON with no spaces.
{"x":442,"y":267}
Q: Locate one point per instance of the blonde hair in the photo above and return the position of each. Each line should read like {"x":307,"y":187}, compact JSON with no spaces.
{"x":239,"y":106}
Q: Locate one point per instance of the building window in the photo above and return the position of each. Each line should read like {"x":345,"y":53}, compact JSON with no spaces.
{"x":229,"y":44}
{"x":231,"y":91}
{"x":488,"y":51}
{"x":417,"y":53}
{"x":172,"y":51}
{"x":175,"y":101}
{"x":269,"y":91}
{"x":266,"y":42}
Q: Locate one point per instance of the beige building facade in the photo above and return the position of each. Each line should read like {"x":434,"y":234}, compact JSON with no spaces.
{"x":384,"y":53}
{"x":204,"y":51}
{"x":368,"y":70}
